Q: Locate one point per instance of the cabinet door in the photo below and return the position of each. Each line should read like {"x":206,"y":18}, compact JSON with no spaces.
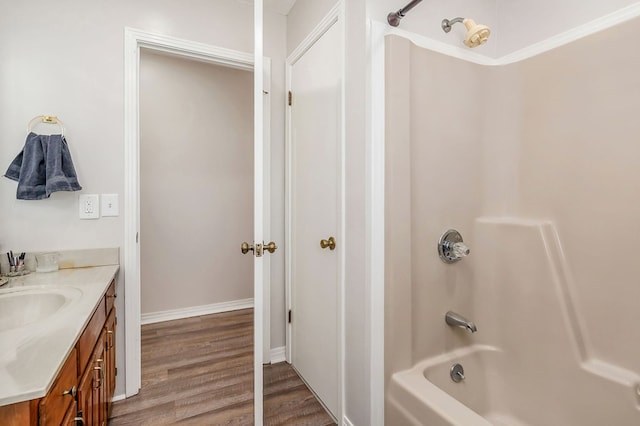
{"x":91,"y":389}
{"x":85,"y":396}
{"x":54,"y":405}
{"x":110,"y":359}
{"x":70,"y":417}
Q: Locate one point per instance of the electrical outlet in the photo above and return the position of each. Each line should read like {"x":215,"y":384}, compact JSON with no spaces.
{"x":89,"y":205}
{"x":109,"y":205}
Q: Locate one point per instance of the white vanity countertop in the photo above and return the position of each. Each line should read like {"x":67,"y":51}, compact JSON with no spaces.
{"x":32,"y":355}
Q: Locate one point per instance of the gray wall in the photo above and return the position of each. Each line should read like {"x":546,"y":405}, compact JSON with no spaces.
{"x":196,"y":183}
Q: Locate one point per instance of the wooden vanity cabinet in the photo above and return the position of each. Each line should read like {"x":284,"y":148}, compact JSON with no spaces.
{"x":82,"y":392}
{"x":97,"y":369}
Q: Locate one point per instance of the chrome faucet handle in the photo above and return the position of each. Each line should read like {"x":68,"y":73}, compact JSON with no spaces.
{"x":460,"y":250}
{"x":451,"y":247}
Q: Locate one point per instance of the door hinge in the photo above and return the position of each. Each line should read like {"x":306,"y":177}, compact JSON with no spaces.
{"x":137,"y":237}
{"x":290,"y":98}
{"x":116,"y":320}
{"x":289,"y":316}
{"x":116,"y":371}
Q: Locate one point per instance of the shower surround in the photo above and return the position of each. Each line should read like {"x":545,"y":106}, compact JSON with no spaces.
{"x":536,"y":163}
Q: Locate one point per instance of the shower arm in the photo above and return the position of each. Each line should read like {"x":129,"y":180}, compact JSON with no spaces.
{"x":394,"y":18}
{"x":448,"y":23}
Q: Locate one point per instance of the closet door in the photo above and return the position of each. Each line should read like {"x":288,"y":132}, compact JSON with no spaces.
{"x":316,"y":99}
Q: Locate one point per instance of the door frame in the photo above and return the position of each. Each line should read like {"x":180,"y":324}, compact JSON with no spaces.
{"x":134,"y":40}
{"x":334,"y":17}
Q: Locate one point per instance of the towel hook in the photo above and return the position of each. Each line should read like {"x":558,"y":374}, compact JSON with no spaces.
{"x":47,"y":119}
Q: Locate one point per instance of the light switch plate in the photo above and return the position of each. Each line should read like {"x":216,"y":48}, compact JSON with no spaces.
{"x":89,"y":206}
{"x":109,"y":205}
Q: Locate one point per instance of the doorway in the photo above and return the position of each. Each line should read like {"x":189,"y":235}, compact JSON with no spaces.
{"x":196,"y":187}
{"x":135,"y":40}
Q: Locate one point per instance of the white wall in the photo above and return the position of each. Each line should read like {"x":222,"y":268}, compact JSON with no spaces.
{"x":68,"y":60}
{"x":523,"y":22}
{"x":196,"y":183}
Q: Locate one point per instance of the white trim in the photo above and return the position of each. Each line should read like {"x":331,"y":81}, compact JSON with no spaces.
{"x":134,"y":40}
{"x":335,"y":15}
{"x":346,"y":421}
{"x":375,"y":184}
{"x":260,"y":215}
{"x":266,"y":188}
{"x":581,"y":31}
{"x":117,"y":398}
{"x":435,"y":45}
{"x":322,"y":27}
{"x":195,"y":311}
{"x":278,"y":355}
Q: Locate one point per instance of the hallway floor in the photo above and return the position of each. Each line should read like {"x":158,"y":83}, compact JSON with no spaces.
{"x":199,"y":371}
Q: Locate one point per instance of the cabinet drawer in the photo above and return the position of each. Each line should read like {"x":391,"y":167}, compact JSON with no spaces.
{"x":110,"y":296}
{"x":89,"y":337}
{"x":55,"y":404}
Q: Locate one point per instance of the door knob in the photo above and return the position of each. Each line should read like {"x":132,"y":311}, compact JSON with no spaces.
{"x":331,"y":243}
{"x":271,"y":247}
{"x":245,"y":247}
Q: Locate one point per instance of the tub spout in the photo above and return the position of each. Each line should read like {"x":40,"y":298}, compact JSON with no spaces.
{"x":457,"y":320}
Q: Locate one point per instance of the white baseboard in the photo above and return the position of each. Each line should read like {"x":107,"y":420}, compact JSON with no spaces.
{"x":119,"y":397}
{"x":195,"y":311}
{"x":277,"y":355}
{"x":346,"y":421}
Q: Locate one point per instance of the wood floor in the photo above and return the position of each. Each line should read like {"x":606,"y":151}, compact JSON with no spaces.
{"x":199,"y":371}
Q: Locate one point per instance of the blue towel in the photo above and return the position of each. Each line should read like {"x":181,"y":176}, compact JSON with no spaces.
{"x":43,"y":166}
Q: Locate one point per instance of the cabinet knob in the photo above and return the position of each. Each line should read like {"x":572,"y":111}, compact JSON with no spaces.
{"x":73,"y":392}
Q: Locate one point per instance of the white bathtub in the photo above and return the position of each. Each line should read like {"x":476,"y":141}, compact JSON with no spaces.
{"x":502,"y":390}
{"x":426,"y":394}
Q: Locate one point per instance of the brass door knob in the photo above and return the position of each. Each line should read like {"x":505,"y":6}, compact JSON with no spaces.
{"x":331,"y":243}
{"x":245,"y":247}
{"x":271,"y":247}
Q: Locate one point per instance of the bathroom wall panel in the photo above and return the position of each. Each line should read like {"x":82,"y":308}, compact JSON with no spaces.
{"x":196,"y":183}
{"x":398,"y":291}
{"x":446,"y":190}
{"x":579,"y":167}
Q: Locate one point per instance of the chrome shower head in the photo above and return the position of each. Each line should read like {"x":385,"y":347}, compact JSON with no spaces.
{"x":476,"y":34}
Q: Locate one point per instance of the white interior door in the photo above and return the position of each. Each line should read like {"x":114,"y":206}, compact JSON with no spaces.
{"x":315,"y":178}
{"x":259,"y":213}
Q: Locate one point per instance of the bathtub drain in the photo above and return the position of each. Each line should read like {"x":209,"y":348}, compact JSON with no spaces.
{"x":457,"y":373}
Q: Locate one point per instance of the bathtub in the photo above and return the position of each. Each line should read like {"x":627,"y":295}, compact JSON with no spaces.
{"x":502,"y":390}
{"x":426,"y":394}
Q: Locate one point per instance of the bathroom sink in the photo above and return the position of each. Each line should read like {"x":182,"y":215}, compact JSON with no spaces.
{"x":25,"y":306}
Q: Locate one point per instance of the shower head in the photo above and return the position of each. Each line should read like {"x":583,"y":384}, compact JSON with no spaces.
{"x":476,"y":34}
